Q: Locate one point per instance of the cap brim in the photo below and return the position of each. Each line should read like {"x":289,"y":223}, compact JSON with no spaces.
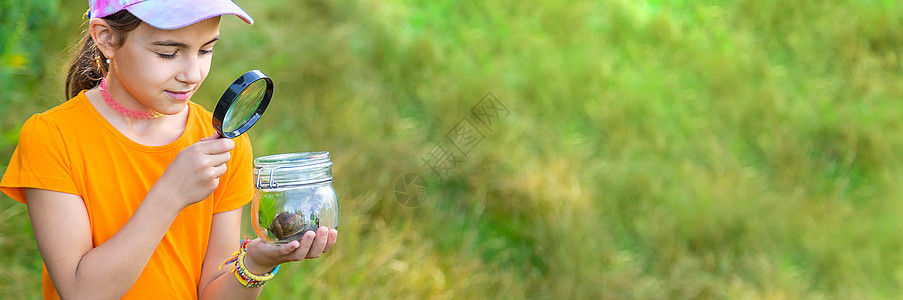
{"x":173,"y":14}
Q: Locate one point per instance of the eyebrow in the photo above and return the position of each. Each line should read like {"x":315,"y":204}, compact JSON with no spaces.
{"x":171,"y":43}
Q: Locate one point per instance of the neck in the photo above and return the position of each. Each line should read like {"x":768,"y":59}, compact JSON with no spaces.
{"x":153,"y":132}
{"x":123,"y":109}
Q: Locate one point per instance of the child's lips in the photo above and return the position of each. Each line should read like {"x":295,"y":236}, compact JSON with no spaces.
{"x":181,"y":96}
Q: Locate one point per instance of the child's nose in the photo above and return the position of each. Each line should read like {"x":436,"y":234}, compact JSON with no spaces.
{"x":191,"y":71}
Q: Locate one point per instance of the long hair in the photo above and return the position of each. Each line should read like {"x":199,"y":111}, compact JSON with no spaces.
{"x":89,"y":65}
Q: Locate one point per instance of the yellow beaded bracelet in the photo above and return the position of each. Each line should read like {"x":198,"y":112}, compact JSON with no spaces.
{"x":242,"y":280}
{"x":245,"y":277}
{"x":241,"y":263}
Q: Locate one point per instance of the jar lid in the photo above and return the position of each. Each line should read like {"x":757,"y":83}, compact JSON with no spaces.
{"x":292,"y":169}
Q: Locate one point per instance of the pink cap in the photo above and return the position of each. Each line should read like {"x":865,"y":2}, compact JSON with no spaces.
{"x":169,"y":14}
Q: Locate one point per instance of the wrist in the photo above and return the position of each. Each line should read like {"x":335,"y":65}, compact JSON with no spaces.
{"x":248,"y":277}
{"x":253,"y":265}
{"x":167,"y":202}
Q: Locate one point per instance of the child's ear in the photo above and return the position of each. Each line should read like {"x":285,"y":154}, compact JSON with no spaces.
{"x":103,"y":36}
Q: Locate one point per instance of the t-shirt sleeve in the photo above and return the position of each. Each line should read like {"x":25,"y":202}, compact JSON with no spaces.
{"x":236,"y":187}
{"x":39,"y":161}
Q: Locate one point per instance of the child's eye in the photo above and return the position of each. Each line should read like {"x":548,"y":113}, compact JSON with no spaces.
{"x":206,"y":52}
{"x":167,"y":56}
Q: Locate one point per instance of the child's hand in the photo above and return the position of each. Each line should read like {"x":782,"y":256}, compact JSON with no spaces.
{"x":194,"y":173}
{"x":263,"y":257}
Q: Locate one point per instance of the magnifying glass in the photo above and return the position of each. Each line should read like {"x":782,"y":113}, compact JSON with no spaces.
{"x":242,"y":104}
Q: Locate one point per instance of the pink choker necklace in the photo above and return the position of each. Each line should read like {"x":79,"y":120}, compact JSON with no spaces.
{"x":131,"y":113}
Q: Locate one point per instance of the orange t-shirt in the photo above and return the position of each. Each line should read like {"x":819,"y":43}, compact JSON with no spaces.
{"x":73,"y":149}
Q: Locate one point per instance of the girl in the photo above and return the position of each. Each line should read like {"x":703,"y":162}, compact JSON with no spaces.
{"x":128,"y":193}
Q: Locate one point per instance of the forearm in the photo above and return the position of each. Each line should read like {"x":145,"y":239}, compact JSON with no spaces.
{"x":225,"y":229}
{"x":226,"y":286}
{"x":110,"y":269}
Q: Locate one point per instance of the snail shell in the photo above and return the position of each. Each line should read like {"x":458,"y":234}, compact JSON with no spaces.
{"x":291,"y":226}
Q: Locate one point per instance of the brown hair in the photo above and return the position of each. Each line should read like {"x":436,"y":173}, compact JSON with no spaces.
{"x":89,"y":65}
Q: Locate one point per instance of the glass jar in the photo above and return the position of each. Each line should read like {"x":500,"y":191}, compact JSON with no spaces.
{"x":294,"y":195}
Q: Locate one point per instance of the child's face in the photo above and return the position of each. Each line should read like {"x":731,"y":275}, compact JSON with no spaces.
{"x":162,"y":69}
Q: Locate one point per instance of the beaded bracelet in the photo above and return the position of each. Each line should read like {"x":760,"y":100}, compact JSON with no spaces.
{"x":245,"y":277}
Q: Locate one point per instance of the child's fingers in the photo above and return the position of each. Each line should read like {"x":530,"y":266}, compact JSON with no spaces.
{"x":219,"y":159}
{"x":319,"y":243}
{"x":210,"y":138}
{"x":333,"y":236}
{"x":217,"y":146}
{"x":216,"y":172}
{"x":302,"y":250}
{"x":285,"y":249}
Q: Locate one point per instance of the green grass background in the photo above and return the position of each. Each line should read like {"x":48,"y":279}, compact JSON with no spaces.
{"x":654,"y":149}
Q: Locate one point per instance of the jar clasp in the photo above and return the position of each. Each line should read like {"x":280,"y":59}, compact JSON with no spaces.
{"x":270,"y":183}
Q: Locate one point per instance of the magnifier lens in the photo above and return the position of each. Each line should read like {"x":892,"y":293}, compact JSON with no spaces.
{"x":244,"y":106}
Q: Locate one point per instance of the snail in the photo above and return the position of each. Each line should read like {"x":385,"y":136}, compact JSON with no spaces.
{"x":290,"y":226}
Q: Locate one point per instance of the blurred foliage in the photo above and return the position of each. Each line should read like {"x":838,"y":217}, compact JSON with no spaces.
{"x":23,"y":26}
